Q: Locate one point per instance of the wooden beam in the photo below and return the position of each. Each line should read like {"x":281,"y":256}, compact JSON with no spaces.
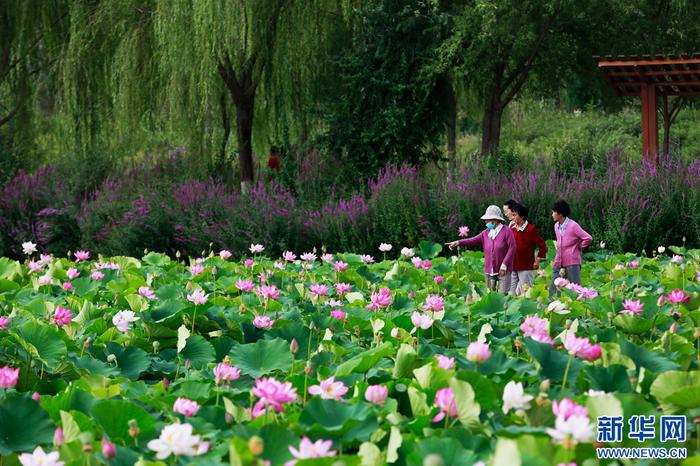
{"x":625,"y":63}
{"x":649,"y":127}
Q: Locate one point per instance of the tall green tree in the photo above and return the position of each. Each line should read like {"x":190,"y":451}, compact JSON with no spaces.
{"x":195,"y":69}
{"x":387,"y":105}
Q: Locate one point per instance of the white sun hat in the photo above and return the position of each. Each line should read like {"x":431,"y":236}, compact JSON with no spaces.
{"x":493,"y":212}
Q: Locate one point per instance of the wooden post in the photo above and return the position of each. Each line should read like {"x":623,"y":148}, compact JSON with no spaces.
{"x":650,"y":134}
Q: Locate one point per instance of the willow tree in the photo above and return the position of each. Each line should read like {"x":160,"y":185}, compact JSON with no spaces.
{"x":32,"y":33}
{"x":193,"y":68}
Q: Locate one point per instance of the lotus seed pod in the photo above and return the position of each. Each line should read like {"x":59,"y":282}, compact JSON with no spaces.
{"x":433,"y":459}
{"x":256,"y":445}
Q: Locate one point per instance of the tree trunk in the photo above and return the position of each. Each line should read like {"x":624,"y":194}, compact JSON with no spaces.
{"x":226,"y":122}
{"x":491,"y":124}
{"x":451,"y":124}
{"x":244,"y":131}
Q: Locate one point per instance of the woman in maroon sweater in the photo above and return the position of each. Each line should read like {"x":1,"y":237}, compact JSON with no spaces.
{"x":526,"y":240}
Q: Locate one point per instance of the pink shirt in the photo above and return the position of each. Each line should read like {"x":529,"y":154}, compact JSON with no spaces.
{"x":570,"y":244}
{"x":496,"y":251}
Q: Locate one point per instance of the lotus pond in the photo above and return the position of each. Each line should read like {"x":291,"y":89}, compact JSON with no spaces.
{"x":339,"y":359}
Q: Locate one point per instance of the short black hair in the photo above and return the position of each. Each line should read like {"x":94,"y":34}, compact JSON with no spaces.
{"x":510,"y":203}
{"x":521,"y":210}
{"x":562,"y":207}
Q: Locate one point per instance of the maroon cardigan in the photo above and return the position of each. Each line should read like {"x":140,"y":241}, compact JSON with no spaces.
{"x":525,"y":243}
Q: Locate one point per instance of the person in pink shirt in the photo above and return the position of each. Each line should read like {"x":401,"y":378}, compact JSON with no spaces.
{"x":498,"y":243}
{"x":570,"y":241}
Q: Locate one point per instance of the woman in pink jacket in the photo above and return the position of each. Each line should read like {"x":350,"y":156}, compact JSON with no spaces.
{"x":498,"y":243}
{"x":571,"y":239}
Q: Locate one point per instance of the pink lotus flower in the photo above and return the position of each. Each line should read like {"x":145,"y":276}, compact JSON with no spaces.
{"x":568,"y":408}
{"x":327,"y":258}
{"x":248,"y":262}
{"x":225,"y":254}
{"x":575,"y":287}
{"x":329,"y":389}
{"x":677,"y":296}
{"x":263,"y":322}
{"x":380,"y":299}
{"x":72,"y":273}
{"x":3,"y":322}
{"x":8,"y":377}
{"x":338,"y":314}
{"x":342,"y":288}
{"x":273,"y":393}
{"x":632,"y":307}
{"x":560,"y":282}
{"x":268,"y":291}
{"x":245,"y":285}
{"x":289,"y":256}
{"x":225,"y":372}
{"x":422,"y":321}
{"x":602,"y":245}
{"x":28,"y":248}
{"x":587,"y":293}
{"x":478,"y":352}
{"x":385,"y":247}
{"x":367,"y":259}
{"x":426,"y":265}
{"x":45,"y":259}
{"x":676,"y":259}
{"x":318,"y":290}
{"x":463,"y":231}
{"x":619,"y":267}
{"x":97,"y":275}
{"x":62,"y":316}
{"x":433,"y":303}
{"x":376,"y":394}
{"x":408,"y":252}
{"x":308,"y":257}
{"x":198,"y":297}
{"x":81,"y":255}
{"x":147,"y":293}
{"x":109,"y":450}
{"x":633,"y":264}
{"x":36,"y":397}
{"x":445,"y":362}
{"x":416,"y":261}
{"x":438,"y":279}
{"x":445,"y":400}
{"x":39,"y":458}
{"x":67,"y":286}
{"x":581,"y":347}
{"x":333,"y":303}
{"x":308,"y":449}
{"x":256,"y":248}
{"x":34,"y":266}
{"x":534,"y":325}
{"x":339,"y":266}
{"x":278,"y":265}
{"x":186,"y":407}
{"x":196,"y":269}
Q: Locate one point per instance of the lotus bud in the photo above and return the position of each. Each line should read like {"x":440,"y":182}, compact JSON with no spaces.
{"x":256,"y":445}
{"x":58,"y":437}
{"x":87,"y":343}
{"x":109,"y":450}
{"x":544,"y":386}
{"x":697,"y":334}
{"x":133,"y":428}
{"x":166,"y":383}
{"x":156,"y":346}
{"x":674,"y":327}
{"x":177,"y":254}
{"x":36,"y":397}
{"x":433,"y":459}
{"x":228,"y":418}
{"x":111,"y":358}
{"x":294,"y":346}
{"x":188,"y":364}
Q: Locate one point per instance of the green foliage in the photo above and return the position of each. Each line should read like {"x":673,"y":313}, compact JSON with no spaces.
{"x":385,"y":107}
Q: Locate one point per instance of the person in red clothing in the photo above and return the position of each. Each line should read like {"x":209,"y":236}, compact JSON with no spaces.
{"x":527,"y":238}
{"x":273,"y":163}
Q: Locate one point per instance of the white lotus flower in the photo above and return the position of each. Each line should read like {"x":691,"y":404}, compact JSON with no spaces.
{"x":576,"y":428}
{"x":39,"y":458}
{"x":123,"y":319}
{"x":514,"y":397}
{"x":177,"y":439}
{"x":28,"y":248}
{"x":557,"y":307}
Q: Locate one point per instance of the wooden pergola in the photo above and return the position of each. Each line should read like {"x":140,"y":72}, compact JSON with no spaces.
{"x":652,"y":77}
